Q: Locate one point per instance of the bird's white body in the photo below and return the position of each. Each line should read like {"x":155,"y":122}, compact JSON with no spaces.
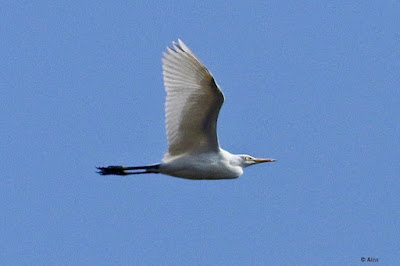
{"x":191,"y":113}
{"x":207,"y":165}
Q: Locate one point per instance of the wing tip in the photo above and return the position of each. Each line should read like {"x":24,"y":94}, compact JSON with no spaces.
{"x":179,"y":46}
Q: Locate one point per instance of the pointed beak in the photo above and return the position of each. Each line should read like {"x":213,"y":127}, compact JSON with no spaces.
{"x":264,"y":160}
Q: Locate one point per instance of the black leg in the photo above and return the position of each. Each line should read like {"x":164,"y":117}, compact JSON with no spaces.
{"x":121,"y":170}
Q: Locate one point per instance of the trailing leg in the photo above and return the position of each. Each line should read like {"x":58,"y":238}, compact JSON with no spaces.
{"x":130,"y":170}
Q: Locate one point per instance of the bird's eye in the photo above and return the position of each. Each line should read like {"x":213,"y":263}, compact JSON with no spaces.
{"x":248,"y":158}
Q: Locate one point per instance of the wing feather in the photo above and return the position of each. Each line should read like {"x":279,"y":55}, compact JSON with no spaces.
{"x":192,"y":104}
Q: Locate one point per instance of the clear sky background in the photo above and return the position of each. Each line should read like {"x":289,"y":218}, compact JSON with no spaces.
{"x":313,"y":84}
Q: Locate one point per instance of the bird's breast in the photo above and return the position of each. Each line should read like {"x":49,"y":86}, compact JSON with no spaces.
{"x":201,"y":167}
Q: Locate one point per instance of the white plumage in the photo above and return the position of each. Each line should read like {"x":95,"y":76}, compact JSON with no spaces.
{"x":191,"y":111}
{"x":192,"y":104}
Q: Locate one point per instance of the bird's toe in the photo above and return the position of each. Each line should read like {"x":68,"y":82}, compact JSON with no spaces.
{"x":111,"y":170}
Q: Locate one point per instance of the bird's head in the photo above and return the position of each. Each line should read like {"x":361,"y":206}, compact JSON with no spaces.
{"x":247,"y":160}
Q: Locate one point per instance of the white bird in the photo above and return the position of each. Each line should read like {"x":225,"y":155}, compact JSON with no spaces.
{"x":191,"y":111}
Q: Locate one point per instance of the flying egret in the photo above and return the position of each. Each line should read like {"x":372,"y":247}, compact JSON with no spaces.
{"x":191,"y":112}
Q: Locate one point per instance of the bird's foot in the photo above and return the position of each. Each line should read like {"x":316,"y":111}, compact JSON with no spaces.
{"x":112,"y":170}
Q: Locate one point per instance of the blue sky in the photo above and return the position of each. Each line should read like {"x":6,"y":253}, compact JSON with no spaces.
{"x":313,"y":84}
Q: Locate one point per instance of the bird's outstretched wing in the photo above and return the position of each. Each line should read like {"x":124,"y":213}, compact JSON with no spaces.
{"x":192,"y":104}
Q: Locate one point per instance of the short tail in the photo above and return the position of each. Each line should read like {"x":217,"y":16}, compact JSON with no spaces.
{"x":130,"y":170}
